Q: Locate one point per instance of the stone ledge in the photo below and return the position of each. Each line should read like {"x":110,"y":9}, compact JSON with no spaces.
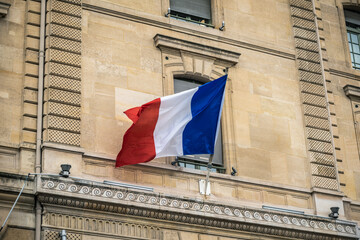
{"x":4,"y":7}
{"x":98,"y":196}
{"x":229,"y":57}
{"x":352,"y":92}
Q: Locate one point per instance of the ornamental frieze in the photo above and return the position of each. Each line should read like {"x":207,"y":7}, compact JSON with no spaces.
{"x":98,"y":196}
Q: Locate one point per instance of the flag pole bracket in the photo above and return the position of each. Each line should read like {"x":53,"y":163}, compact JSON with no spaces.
{"x":202,"y":186}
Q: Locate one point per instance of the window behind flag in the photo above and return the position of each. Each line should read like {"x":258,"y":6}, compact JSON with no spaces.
{"x":199,"y":161}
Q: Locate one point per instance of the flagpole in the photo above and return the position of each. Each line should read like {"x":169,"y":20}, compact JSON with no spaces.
{"x":209,"y":166}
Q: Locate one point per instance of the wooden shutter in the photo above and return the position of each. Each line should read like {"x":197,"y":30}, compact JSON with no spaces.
{"x":197,"y":8}
{"x":182,"y":85}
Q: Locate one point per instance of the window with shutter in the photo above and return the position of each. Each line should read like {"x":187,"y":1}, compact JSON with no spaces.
{"x":198,"y":11}
{"x":199,"y":161}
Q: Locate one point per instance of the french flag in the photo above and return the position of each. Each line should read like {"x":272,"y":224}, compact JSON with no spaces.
{"x":185,"y":123}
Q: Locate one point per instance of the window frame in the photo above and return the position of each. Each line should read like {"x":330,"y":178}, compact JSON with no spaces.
{"x":188,"y":160}
{"x":192,"y":18}
{"x":351,"y":20}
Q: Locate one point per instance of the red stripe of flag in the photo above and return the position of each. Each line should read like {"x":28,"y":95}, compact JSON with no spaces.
{"x":138,"y":143}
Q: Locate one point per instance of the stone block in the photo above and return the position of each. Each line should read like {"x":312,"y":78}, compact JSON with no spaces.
{"x":31,"y":69}
{"x":29,"y":123}
{"x":128,"y":175}
{"x":145,"y":82}
{"x":269,"y":133}
{"x":34,"y":6}
{"x":32,"y":31}
{"x":180,"y":183}
{"x":30,"y":82}
{"x":33,"y":18}
{"x":275,"y":198}
{"x":28,"y":136}
{"x":30,"y":109}
{"x":53,"y":158}
{"x":32,"y":43}
{"x":253,"y":195}
{"x":224,"y":190}
{"x":150,"y":178}
{"x":299,"y":201}
{"x":30,"y":96}
{"x":32,"y":56}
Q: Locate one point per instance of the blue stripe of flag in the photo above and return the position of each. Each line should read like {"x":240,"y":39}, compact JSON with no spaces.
{"x":200,"y":133}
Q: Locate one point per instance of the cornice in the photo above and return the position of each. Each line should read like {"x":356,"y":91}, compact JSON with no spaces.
{"x":162,"y":41}
{"x":136,"y":16}
{"x":97,"y":196}
{"x":352,"y":91}
{"x":344,"y":74}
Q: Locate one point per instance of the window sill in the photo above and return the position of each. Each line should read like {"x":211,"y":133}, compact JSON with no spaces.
{"x":192,"y":21}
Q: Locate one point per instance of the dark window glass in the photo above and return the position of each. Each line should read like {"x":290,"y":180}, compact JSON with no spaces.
{"x":199,"y":161}
{"x":198,"y":11}
{"x":353,"y":33}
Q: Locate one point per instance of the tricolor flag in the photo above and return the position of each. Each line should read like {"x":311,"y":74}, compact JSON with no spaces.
{"x":185,"y":123}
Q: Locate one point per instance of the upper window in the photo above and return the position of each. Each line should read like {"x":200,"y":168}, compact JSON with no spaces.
{"x":199,"y":161}
{"x":198,"y":11}
{"x":353,"y":33}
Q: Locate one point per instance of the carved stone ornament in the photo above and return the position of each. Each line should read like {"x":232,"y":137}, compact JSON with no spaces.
{"x":4,"y":7}
{"x":97,"y":196}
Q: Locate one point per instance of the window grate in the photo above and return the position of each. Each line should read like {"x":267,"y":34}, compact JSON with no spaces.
{"x":189,"y":163}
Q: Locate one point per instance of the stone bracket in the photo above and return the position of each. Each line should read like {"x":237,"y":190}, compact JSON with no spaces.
{"x":4,"y":7}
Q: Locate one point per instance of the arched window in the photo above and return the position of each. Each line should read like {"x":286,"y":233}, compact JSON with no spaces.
{"x":199,"y":161}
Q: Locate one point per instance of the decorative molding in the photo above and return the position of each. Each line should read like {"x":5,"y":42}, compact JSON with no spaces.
{"x":344,"y":74}
{"x":136,"y":17}
{"x":4,"y":8}
{"x":352,"y":92}
{"x":197,"y":61}
{"x":96,"y":196}
{"x":91,"y":225}
{"x":314,"y":95}
{"x":230,"y":57}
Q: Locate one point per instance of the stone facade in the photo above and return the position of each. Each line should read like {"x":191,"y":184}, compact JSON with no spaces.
{"x":289,"y":123}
